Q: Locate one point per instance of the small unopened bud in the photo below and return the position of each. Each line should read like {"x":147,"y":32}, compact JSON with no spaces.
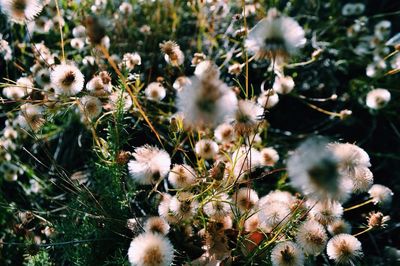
{"x":377,"y":219}
{"x":344,"y":114}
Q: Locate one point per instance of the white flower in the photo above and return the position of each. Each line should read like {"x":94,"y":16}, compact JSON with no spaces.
{"x":172,"y":53}
{"x":183,"y":206}
{"x":382,"y":29}
{"x":277,"y":196}
{"x":156,"y":225}
{"x":91,"y":107}
{"x":287,"y":253}
{"x":77,"y":43}
{"x":378,"y":98}
{"x":275,"y":36}
{"x":311,"y":237}
{"x":31,"y":117}
{"x":130,"y":60}
{"x":268,"y":99}
{"x":235,"y":69}
{"x":22,"y":87}
{"x":218,"y":206}
{"x":207,"y":70}
{"x":149,"y":249}
{"x":42,"y":78}
{"x":244,"y":160}
{"x":99,"y":85}
{"x":224,"y":133}
{"x":381,"y":194}
{"x":182,"y":176}
{"x":245,"y":199}
{"x":155,"y":91}
{"x":273,"y":214}
{"x":150,"y":165}
{"x":67,"y":79}
{"x":206,"y":149}
{"x":248,"y":116}
{"x":362,"y":179}
{"x":5,"y":49}
{"x":79,"y":31}
{"x":339,"y":227}
{"x":116,"y":96}
{"x":180,"y":83}
{"x":21,"y":11}
{"x":269,"y":156}
{"x":283,"y":85}
{"x":344,"y":249}
{"x":125,"y":8}
{"x":206,"y":102}
{"x":325,"y":212}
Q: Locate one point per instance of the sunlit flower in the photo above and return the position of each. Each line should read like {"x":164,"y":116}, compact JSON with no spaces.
{"x":206,"y":149}
{"x":378,"y":98}
{"x":311,"y":237}
{"x":248,"y":117}
{"x":244,"y":161}
{"x":173,"y":53}
{"x":218,"y":206}
{"x":287,"y":254}
{"x":273,"y":214}
{"x":21,"y":11}
{"x":150,"y":249}
{"x":150,"y":165}
{"x":100,"y":85}
{"x":269,"y":156}
{"x":183,"y":205}
{"x":283,"y":85}
{"x":180,"y":83}
{"x":275,"y":36}
{"x":125,"y":8}
{"x":182,"y":176}
{"x":325,"y":212}
{"x":339,"y":227}
{"x":268,"y":99}
{"x":130,"y":60}
{"x":207,"y":70}
{"x":31,"y":117}
{"x":224,"y":133}
{"x":156,"y":224}
{"x":245,"y":199}
{"x":380,"y":194}
{"x":67,"y":79}
{"x":155,"y":91}
{"x":91,"y":107}
{"x":344,"y":249}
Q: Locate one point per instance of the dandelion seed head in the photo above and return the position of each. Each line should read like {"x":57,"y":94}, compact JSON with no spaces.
{"x":156,"y":224}
{"x":311,"y":237}
{"x":287,"y":253}
{"x":206,"y":149}
{"x":245,"y":199}
{"x":344,"y":249}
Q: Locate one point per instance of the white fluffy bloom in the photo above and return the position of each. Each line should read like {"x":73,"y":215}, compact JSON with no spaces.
{"x":381,"y":194}
{"x":157,"y":224}
{"x":77,"y":43}
{"x":67,"y":79}
{"x":21,"y":11}
{"x":224,"y":133}
{"x":245,"y":160}
{"x":130,"y":60}
{"x":245,"y":199}
{"x":283,"y":84}
{"x":273,"y":214}
{"x":362,"y":179}
{"x":91,"y":107}
{"x":269,"y":156}
{"x":378,"y":98}
{"x":79,"y":31}
{"x":5,"y":49}
{"x":206,"y":102}
{"x":207,"y":70}
{"x":313,"y":169}
{"x":218,"y":206}
{"x":182,"y":176}
{"x":125,"y":8}
{"x":344,"y":249}
{"x":116,"y":96}
{"x":183,"y":205}
{"x":311,"y":237}
{"x":31,"y":117}
{"x":150,"y":165}
{"x":22,"y":87}
{"x":149,"y":249}
{"x":277,"y":196}
{"x":173,"y":54}
{"x":42,"y":78}
{"x":99,"y":85}
{"x":248,"y":116}
{"x":268,"y":99}
{"x":339,"y":226}
{"x":180,"y":82}
{"x":155,"y":91}
{"x":275,"y":35}
{"x":287,"y":253}
{"x":325,"y":212}
{"x":206,"y":149}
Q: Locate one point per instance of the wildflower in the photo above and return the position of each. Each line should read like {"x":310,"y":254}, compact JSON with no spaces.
{"x":218,"y":206}
{"x":245,"y":199}
{"x":198,"y":58}
{"x":40,"y":25}
{"x":283,"y":85}
{"x":224,"y":133}
{"x":339,"y":226}
{"x":172,"y":52}
{"x":244,"y":161}
{"x":377,"y":219}
{"x":325,"y":212}
{"x":150,"y":165}
{"x":207,"y":70}
{"x":378,"y":98}
{"x":21,"y":11}
{"x":235,"y":69}
{"x":311,"y":237}
{"x":91,"y":107}
{"x":268,"y":99}
{"x":130,"y":60}
{"x":287,"y":253}
{"x":100,"y":85}
{"x":164,"y":208}
{"x":145,"y":29}
{"x":42,"y":78}
{"x":150,"y":249}
{"x":313,"y":169}
{"x":67,"y":79}
{"x":206,"y":102}
{"x":248,"y":116}
{"x":182,"y":176}
{"x":77,"y":43}
{"x":117,"y":97}
{"x":206,"y":149}
{"x":277,"y":196}
{"x":156,"y":225}
{"x":79,"y":32}
{"x":155,"y":91}
{"x":31,"y":117}
{"x":125,"y":8}
{"x":183,"y":206}
{"x":344,"y":249}
{"x":362,"y":179}
{"x":275,"y":36}
{"x":380,"y":194}
{"x":22,"y":87}
{"x":273,"y":214}
{"x":269,"y":156}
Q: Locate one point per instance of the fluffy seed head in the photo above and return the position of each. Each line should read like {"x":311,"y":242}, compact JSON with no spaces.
{"x":269,"y":156}
{"x":344,"y":249}
{"x":206,"y":149}
{"x":380,"y":194}
{"x":67,"y":79}
{"x":183,"y":205}
{"x":378,"y":98}
{"x":287,"y":254}
{"x":155,"y":91}
{"x":182,"y":176}
{"x":339,"y":227}
{"x":245,"y":199}
{"x":311,"y":237}
{"x":156,"y":225}
{"x":21,"y":11}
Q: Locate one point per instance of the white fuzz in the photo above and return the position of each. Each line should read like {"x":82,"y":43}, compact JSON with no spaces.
{"x":67,"y":79}
{"x":90,"y":107}
{"x":149,"y":249}
{"x":235,"y":69}
{"x":344,"y":249}
{"x":283,"y":85}
{"x":155,"y":91}
{"x":183,"y":206}
{"x":31,"y":117}
{"x":350,"y":156}
{"x":125,"y":97}
{"x":248,"y":116}
{"x":130,"y":60}
{"x":99,"y":85}
{"x":325,"y":212}
{"x":224,"y":133}
{"x":218,"y":206}
{"x":244,"y":161}
{"x":156,"y":225}
{"x":378,"y":98}
{"x":42,"y":78}
{"x":22,"y":87}
{"x":269,"y":156}
{"x":180,"y":83}
{"x":275,"y":36}
{"x":150,"y":165}
{"x":287,"y":253}
{"x":311,"y":237}
{"x":163,"y":208}
{"x":207,"y":70}
{"x":268,"y":99}
{"x":79,"y":31}
{"x":339,"y":227}
{"x":380,"y":194}
{"x":182,"y":176}
{"x":21,"y":11}
{"x":277,"y":196}
{"x":362,"y":179}
{"x":125,"y":8}
{"x":207,"y":102}
{"x":206,"y":149}
{"x":273,"y":214}
{"x":313,"y":169}
{"x":245,"y":199}
{"x":173,"y":55}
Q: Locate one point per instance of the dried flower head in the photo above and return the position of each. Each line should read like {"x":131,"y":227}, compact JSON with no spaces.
{"x":287,"y":254}
{"x":31,"y":117}
{"x":156,"y":224}
{"x":90,"y":107}
{"x":182,"y":176}
{"x":268,"y":99}
{"x":218,"y":206}
{"x":130,"y":60}
{"x":155,"y":91}
{"x":344,"y":249}
{"x":173,"y":53}
{"x":378,"y":98}
{"x":183,"y":205}
{"x":248,"y":117}
{"x":67,"y":79}
{"x":224,"y":133}
{"x":325,"y":212}
{"x":377,"y":219}
{"x":21,"y":11}
{"x":311,"y":237}
{"x":245,"y":199}
{"x":206,"y":149}
{"x":380,"y":194}
{"x":339,"y":226}
{"x":269,"y":156}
